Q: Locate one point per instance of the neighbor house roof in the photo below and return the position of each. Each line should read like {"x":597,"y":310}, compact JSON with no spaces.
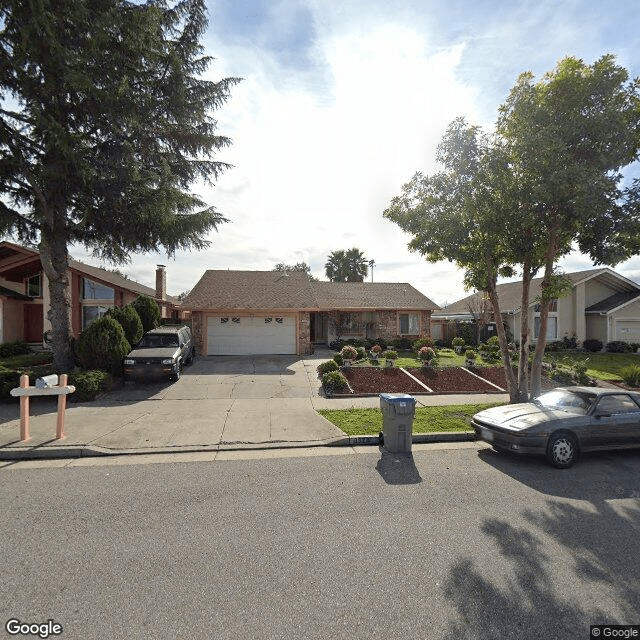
{"x":370,"y":295}
{"x":275,"y":290}
{"x":224,"y":289}
{"x":510,"y":293}
{"x":10,"y":252}
{"x":613,"y":302}
{"x":10,"y":293}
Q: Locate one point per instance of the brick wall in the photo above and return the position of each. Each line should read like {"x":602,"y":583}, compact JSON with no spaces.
{"x":304,"y":333}
{"x":197,"y":330}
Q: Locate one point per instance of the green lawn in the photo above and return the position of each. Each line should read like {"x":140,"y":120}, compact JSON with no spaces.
{"x":427,"y":420}
{"x":446,"y":358}
{"x":604,"y":366}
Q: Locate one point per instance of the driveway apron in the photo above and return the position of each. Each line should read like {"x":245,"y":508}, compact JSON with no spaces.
{"x":219,"y":401}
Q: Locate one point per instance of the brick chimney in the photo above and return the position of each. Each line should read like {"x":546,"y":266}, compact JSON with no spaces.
{"x":161,"y":282}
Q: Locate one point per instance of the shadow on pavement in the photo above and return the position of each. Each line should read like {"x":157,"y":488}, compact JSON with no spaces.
{"x":398,"y":468}
{"x":596,"y":476}
{"x":569,"y":566}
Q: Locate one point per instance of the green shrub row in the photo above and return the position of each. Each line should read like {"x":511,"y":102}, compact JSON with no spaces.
{"x":16,"y":348}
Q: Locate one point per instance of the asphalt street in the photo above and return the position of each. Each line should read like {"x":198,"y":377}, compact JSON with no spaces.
{"x":454,"y":543}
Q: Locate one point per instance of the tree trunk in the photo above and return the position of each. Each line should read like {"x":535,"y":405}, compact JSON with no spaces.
{"x":523,"y":361}
{"x":536,"y":367}
{"x":512,"y":385}
{"x":55,"y":262}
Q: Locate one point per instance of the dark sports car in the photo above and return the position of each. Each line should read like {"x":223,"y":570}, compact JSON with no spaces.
{"x":563,"y":422}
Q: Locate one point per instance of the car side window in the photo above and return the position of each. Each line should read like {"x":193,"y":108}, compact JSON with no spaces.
{"x":616,"y":404}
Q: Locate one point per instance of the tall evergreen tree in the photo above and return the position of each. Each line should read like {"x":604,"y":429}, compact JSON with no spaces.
{"x":105,"y":122}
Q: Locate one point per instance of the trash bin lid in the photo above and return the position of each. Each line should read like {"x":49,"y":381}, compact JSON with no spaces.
{"x":401,"y":398}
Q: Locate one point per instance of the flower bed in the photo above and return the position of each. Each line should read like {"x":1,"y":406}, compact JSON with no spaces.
{"x":452,"y":380}
{"x":375,"y":380}
{"x":440,"y":380}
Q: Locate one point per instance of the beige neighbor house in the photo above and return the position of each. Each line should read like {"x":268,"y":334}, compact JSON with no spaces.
{"x":272,"y":312}
{"x":24,"y":294}
{"x":602,"y":305}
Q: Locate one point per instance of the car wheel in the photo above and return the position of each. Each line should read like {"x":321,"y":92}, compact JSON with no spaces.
{"x":562,"y":450}
{"x":176,"y":376}
{"x":189,"y":361}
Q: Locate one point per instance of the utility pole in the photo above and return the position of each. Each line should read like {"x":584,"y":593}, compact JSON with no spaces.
{"x":371,"y":263}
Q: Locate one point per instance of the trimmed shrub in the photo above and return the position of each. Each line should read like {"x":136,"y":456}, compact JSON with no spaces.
{"x":580,"y":372}
{"x":129,"y":320}
{"x":592,"y":345}
{"x":89,"y":384}
{"x":422,"y":342}
{"x":326,"y":367}
{"x":631,"y":375}
{"x":16,"y":348}
{"x":390,"y":355}
{"x":102,"y":345}
{"x":618,"y":346}
{"x":362,"y":353}
{"x":562,"y":377}
{"x":149,"y":312}
{"x":457,"y":342}
{"x":470,"y":354}
{"x":337,"y":358}
{"x":376,"y":348}
{"x":334,"y":382}
{"x":348,"y":353}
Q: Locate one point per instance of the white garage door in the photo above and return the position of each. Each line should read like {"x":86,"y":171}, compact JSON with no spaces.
{"x":229,"y":336}
{"x":628,"y":330}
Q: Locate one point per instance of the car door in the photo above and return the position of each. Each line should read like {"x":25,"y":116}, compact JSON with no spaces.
{"x":615,"y":422}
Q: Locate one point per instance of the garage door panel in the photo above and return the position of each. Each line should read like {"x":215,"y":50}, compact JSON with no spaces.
{"x":251,"y":335}
{"x":628,"y":330}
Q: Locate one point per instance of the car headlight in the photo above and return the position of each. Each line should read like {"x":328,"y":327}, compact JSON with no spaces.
{"x":129,"y":361}
{"x":167,"y":361}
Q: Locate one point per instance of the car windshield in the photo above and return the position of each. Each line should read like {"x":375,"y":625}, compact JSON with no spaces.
{"x":155,"y":341}
{"x":569,"y":401}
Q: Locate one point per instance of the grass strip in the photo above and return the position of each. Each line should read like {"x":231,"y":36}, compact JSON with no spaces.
{"x":356,"y":422}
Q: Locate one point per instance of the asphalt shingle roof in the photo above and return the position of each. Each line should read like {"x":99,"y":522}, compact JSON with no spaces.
{"x":612,"y":302}
{"x":510,"y":293}
{"x":219,"y":289}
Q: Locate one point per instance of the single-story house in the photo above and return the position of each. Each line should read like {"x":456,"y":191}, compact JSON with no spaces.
{"x":24,"y":294}
{"x":601,"y":305}
{"x":273,"y":312}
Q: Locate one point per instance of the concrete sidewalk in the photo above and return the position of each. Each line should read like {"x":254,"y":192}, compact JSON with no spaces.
{"x":218,"y":404}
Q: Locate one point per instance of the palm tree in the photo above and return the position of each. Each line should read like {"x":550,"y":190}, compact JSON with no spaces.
{"x":346,"y":266}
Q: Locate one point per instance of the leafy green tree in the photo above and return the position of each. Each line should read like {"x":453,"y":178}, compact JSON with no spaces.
{"x":568,"y":137}
{"x":148,"y":311}
{"x":105,"y":122}
{"x":346,"y":266}
{"x":299,"y":266}
{"x":549,"y":177}
{"x":129,"y":320}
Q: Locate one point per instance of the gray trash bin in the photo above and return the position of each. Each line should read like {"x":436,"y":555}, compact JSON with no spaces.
{"x":398,"y":412}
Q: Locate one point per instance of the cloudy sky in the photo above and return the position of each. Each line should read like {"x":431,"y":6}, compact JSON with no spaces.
{"x":342,"y":101}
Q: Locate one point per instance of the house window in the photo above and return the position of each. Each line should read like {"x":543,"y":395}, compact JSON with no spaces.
{"x":409,"y":323}
{"x":552,"y":328}
{"x":279,"y":320}
{"x":268,"y":320}
{"x":34,"y":286}
{"x":91,"y":313}
{"x":553,"y":306}
{"x":349,"y":322}
{"x":94,"y":291}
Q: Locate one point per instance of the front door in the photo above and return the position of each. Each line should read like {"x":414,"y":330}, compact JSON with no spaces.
{"x":318,"y":327}
{"x":33,"y":322}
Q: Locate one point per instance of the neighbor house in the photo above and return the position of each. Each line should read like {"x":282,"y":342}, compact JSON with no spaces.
{"x":24,"y":294}
{"x":274,"y":312}
{"x":601,"y":305}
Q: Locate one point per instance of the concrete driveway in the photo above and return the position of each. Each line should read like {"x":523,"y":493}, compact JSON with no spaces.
{"x":218,"y":402}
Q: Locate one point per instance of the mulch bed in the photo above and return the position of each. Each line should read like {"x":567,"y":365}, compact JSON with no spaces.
{"x":374,"y":380}
{"x":444,"y":380}
{"x":492,"y":374}
{"x":453,"y":380}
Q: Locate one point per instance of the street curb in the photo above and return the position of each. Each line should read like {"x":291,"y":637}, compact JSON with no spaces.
{"x":92,"y":451}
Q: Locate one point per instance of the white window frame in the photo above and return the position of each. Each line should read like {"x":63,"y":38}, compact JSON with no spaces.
{"x":416,"y":324}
